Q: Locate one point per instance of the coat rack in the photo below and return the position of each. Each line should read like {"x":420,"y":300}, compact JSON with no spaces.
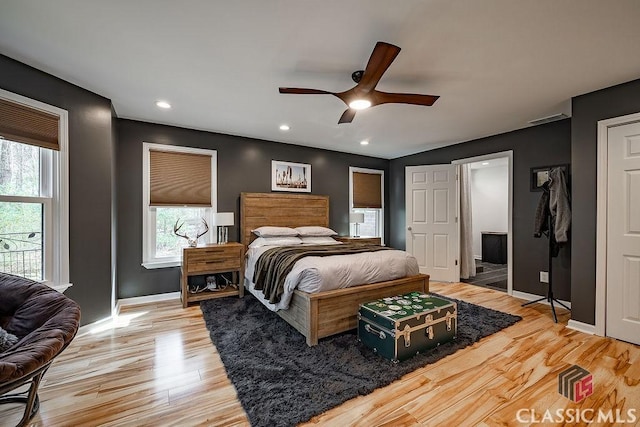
{"x":550,"y":235}
{"x":550,"y":298}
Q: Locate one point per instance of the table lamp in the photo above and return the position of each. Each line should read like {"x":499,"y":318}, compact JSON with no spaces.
{"x":223,"y":221}
{"x":357,"y":218}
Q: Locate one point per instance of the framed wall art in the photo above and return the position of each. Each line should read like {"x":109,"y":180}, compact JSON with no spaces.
{"x":287,"y":176}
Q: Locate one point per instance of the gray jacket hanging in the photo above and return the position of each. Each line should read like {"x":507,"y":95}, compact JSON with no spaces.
{"x":559,"y":205}
{"x":554,"y":202}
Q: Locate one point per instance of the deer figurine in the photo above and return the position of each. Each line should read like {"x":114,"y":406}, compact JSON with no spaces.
{"x":193,"y":242}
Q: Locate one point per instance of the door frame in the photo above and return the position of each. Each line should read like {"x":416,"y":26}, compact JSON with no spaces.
{"x":601,"y":216}
{"x":501,"y":154}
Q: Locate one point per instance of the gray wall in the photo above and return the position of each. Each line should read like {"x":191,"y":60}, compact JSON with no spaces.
{"x":543,"y":145}
{"x":103,"y":160}
{"x":244,"y":165}
{"x":586,"y":111}
{"x":90,"y":180}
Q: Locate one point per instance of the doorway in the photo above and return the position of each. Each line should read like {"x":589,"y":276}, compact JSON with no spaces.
{"x":489,"y":191}
{"x":429,"y":192}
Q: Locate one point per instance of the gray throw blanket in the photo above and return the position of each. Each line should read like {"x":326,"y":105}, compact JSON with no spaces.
{"x":274,"y":264}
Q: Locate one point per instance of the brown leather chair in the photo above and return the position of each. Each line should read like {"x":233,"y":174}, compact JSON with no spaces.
{"x":45,"y":321}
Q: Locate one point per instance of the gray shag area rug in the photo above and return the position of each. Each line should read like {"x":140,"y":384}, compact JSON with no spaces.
{"x":282,"y":382}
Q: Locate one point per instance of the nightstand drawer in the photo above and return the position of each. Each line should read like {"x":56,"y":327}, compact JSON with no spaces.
{"x":360,"y":240}
{"x":210,"y":264}
{"x":208,"y":254}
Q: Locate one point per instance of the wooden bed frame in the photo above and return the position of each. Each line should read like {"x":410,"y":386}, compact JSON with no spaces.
{"x":326,"y":313}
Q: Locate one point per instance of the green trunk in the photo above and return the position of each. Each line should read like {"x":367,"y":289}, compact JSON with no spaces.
{"x":402,"y":326}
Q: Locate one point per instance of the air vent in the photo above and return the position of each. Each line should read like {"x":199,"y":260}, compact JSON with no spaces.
{"x":548,"y":119}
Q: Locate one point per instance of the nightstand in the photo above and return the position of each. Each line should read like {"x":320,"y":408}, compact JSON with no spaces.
{"x":361,"y":240}
{"x":209,"y":260}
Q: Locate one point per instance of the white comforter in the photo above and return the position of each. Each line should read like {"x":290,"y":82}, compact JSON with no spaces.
{"x":316,"y":274}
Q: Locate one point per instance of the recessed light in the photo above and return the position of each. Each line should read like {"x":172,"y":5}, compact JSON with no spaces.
{"x":360,"y":104}
{"x":364,"y":142}
{"x":485,"y":163}
{"x":284,"y":127}
{"x":163,"y":104}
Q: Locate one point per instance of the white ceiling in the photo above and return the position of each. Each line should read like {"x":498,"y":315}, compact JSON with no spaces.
{"x":496,"y":64}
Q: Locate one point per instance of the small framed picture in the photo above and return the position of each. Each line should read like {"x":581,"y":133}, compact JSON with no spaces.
{"x":287,"y":176}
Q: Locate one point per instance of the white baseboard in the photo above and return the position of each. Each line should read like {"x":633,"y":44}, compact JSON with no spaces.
{"x":581,"y":327}
{"x":127,"y":302}
{"x":530,"y":297}
{"x":147,"y":299}
{"x":85,"y":329}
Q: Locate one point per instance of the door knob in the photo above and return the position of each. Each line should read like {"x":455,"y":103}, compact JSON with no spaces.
{"x":409,"y":228}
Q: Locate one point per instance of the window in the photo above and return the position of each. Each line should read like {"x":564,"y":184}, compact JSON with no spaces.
{"x":34,"y":238}
{"x":366,"y":195}
{"x":179,"y":189}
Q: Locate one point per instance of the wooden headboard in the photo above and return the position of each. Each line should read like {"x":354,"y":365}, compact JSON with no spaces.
{"x":282,"y":210}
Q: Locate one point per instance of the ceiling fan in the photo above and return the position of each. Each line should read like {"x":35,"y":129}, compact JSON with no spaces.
{"x":364,"y":94}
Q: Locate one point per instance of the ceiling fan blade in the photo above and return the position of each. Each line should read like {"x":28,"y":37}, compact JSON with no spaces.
{"x":302,"y":91}
{"x":381,"y":58}
{"x":347,"y":116}
{"x":378,"y":97}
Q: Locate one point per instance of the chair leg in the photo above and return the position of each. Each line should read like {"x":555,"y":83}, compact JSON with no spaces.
{"x":31,"y":399}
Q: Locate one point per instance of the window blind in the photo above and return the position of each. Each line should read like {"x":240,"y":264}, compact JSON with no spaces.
{"x":28,"y":125}
{"x":179,"y":179}
{"x":367,"y":190}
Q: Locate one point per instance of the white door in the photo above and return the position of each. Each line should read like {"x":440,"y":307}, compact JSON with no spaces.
{"x":623,"y":233}
{"x":432,"y":228}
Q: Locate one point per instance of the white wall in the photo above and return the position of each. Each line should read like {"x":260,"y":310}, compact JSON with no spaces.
{"x":489,"y":202}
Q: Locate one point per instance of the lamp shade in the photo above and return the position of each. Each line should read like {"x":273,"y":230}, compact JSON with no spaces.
{"x":224,"y":218}
{"x":357,"y":218}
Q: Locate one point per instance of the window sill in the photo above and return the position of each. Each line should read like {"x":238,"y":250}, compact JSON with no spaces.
{"x":62,"y":287}
{"x":152,"y":265}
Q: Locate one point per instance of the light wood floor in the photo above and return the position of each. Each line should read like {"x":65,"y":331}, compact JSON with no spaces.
{"x":162,"y":369}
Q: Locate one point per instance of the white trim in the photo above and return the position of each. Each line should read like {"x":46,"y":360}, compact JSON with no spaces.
{"x":509,"y":155}
{"x":161,"y":264}
{"x":126,"y":302}
{"x":531,"y":297}
{"x":61,"y":287}
{"x":86,"y":329}
{"x":59,"y":220}
{"x":149,"y":214}
{"x":380,"y":172}
{"x":601,"y":217}
{"x":147,"y":299}
{"x":581,"y":327}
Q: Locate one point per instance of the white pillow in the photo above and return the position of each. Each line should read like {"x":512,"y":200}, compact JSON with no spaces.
{"x":315,"y":231}
{"x":274,"y":231}
{"x":275,"y":241}
{"x":320,"y":240}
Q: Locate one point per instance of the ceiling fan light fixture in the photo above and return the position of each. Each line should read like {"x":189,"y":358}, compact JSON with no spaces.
{"x":360,"y":104}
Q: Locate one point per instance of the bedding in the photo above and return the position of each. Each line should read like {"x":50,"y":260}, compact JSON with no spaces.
{"x":315,"y":231}
{"x":270,"y":231}
{"x":320,"y":272}
{"x":275,"y":241}
{"x":319,"y":240}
